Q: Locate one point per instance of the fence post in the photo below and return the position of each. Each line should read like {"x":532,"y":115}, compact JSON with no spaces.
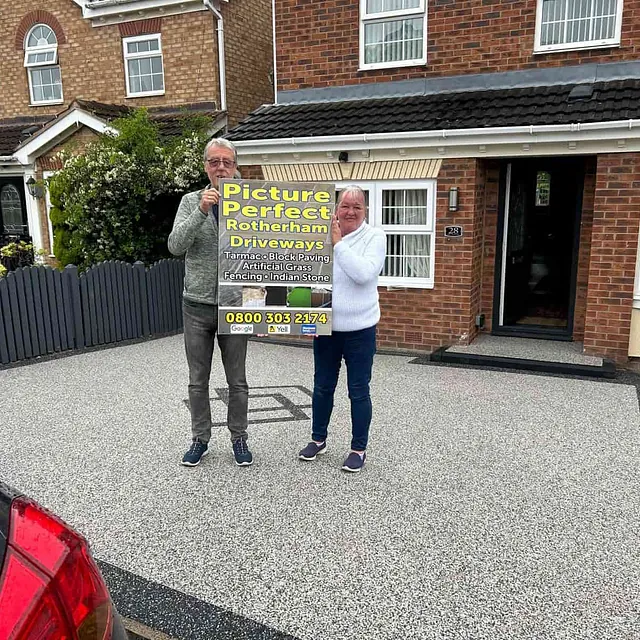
{"x":140,"y":273}
{"x":7,"y":343}
{"x":181,"y":271}
{"x":40,"y":338}
{"x":71,"y":276}
{"x":44,"y":305}
{"x":152,"y":299}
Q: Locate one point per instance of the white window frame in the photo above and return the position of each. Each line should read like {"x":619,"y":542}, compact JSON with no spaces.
{"x":366,"y":18}
{"x":147,"y":54}
{"x":571,"y":46}
{"x":375,"y":190}
{"x":34,"y":65}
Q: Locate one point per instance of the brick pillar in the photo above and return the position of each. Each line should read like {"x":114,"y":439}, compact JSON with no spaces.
{"x":584,"y":252}
{"x":614,"y":244}
{"x":458,"y":271}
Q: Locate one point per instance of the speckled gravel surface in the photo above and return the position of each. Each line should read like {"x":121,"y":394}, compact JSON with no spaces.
{"x":528,"y":349}
{"x":493,"y":505}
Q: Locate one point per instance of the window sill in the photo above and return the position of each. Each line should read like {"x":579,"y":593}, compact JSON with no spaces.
{"x":392,"y":65}
{"x":408,"y":283}
{"x":581,"y":46}
{"x":147,"y":94}
{"x":46,"y":104}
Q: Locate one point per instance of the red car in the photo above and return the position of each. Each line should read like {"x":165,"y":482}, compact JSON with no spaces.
{"x":50,"y":585}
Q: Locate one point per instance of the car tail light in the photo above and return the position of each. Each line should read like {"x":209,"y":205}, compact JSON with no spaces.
{"x":50,"y":587}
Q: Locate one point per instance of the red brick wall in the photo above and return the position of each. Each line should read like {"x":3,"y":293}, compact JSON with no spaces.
{"x":317,"y":42}
{"x":251,"y":172}
{"x":614,"y":243}
{"x":421,"y":319}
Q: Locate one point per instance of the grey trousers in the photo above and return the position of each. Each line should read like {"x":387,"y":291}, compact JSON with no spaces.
{"x":200,"y":328}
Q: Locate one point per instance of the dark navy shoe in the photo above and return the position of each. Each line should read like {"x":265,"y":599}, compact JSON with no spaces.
{"x":241,"y":453}
{"x":354,"y":462}
{"x":196,"y":452}
{"x":312,"y":450}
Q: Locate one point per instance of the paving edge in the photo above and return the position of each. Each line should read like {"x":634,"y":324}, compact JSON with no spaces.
{"x":606,"y":370}
{"x":139,"y":631}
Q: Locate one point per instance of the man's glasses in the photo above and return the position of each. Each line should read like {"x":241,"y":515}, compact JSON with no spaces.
{"x":214,"y":162}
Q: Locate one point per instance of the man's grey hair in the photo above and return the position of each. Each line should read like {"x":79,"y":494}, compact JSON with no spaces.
{"x":220,"y":142}
{"x":355,"y":190}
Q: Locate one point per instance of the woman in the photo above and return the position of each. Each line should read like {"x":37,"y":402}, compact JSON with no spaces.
{"x":358,"y":256}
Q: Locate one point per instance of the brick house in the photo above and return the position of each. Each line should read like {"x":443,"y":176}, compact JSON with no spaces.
{"x":70,"y":66}
{"x":499,"y":145}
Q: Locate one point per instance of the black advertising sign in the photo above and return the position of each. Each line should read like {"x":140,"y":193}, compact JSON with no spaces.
{"x":275,"y":257}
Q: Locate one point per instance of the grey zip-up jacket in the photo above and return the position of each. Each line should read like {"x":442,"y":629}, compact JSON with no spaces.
{"x":195,"y":236}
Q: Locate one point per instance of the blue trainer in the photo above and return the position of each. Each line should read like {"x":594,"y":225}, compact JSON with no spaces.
{"x":312,"y":450}
{"x":354,"y":462}
{"x":196,"y":452}
{"x":241,"y":453}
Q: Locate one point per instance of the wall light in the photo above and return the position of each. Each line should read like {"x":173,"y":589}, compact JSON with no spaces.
{"x":31,"y":185}
{"x":35,"y":189}
{"x":453,"y":199}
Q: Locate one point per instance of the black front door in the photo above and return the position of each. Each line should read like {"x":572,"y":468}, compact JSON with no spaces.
{"x":13,"y":210}
{"x":538,"y":247}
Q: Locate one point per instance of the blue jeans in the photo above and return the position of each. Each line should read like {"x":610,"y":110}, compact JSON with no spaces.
{"x":357,"y":348}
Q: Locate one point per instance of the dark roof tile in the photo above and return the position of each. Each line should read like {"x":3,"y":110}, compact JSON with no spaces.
{"x":14,"y":131}
{"x":617,"y":100}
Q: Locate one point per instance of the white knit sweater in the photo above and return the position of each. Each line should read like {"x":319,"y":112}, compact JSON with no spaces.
{"x":357,"y":261}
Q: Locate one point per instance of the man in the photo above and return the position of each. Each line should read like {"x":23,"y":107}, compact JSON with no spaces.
{"x":195,"y":235}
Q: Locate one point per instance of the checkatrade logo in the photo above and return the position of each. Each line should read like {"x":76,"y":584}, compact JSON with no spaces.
{"x":308,"y":329}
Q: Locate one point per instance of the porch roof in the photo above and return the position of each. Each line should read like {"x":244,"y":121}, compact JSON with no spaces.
{"x":168,"y":119}
{"x":544,"y":105}
{"x":16,"y":132}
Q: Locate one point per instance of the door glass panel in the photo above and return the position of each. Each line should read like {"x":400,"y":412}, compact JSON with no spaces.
{"x":11,"y":208}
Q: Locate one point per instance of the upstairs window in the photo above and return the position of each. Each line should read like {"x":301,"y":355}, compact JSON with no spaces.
{"x":577,"y":24}
{"x":392,"y":33}
{"x":41,"y":61}
{"x":143,"y":66}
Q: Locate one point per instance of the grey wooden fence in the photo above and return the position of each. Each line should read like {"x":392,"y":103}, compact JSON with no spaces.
{"x":44,"y":311}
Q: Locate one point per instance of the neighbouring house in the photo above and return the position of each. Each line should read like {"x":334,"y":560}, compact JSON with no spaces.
{"x":499,"y":145}
{"x":69,"y":67}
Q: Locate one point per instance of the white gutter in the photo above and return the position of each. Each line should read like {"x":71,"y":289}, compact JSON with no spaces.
{"x":221,"y":61}
{"x":275,"y":66}
{"x":12,"y":159}
{"x":526,"y":131}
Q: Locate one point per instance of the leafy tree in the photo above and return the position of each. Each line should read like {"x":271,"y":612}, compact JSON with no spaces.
{"x":117,"y":199}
